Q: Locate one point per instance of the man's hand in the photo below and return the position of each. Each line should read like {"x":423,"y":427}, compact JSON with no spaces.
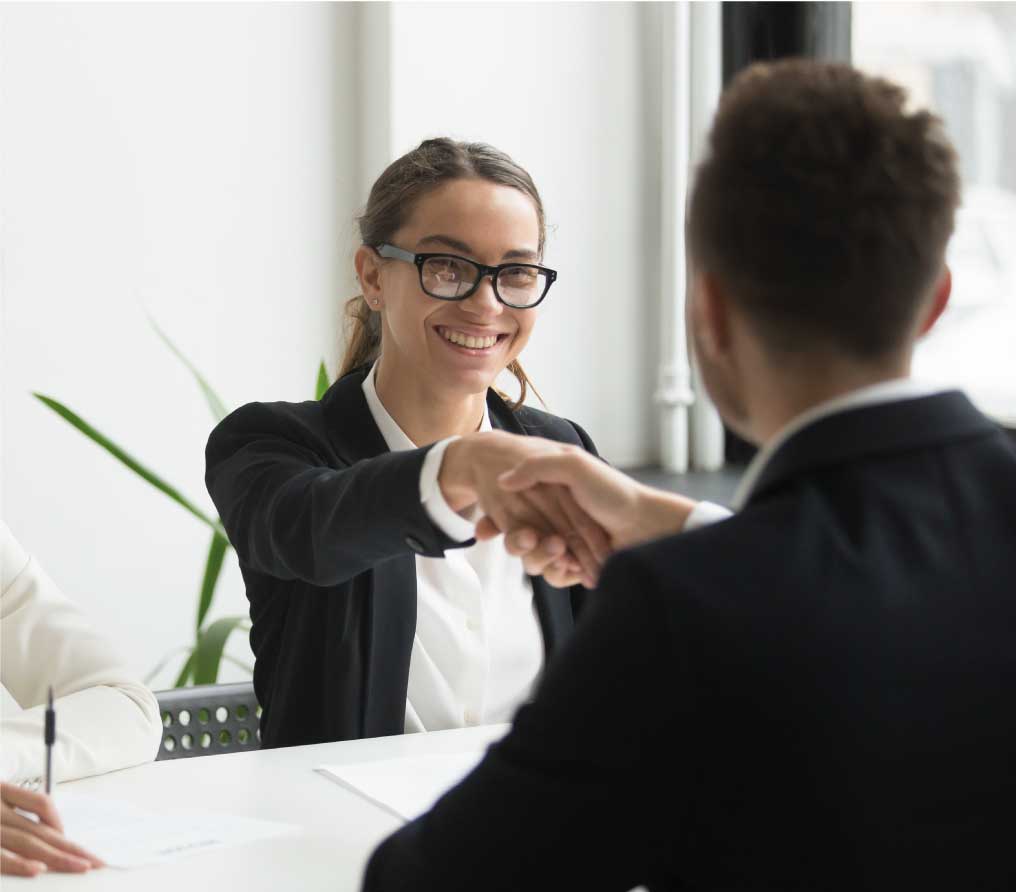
{"x":607,"y":502}
{"x":31,"y":847}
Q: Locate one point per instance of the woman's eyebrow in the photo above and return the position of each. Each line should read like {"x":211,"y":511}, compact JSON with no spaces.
{"x":445,"y":240}
{"x":457,"y":245}
{"x":520,"y":254}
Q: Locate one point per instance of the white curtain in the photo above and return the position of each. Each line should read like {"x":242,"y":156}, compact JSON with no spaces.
{"x":691,"y":75}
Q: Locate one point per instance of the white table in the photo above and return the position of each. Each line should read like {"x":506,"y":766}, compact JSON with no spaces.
{"x":338,"y":828}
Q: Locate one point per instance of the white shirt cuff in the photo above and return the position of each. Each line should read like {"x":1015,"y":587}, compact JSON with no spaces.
{"x":705,"y":513}
{"x":450,"y":522}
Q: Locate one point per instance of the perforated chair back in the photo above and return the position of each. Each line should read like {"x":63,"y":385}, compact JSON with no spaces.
{"x":208,"y":719}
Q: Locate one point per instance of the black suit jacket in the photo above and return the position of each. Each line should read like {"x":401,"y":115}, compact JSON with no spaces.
{"x":327,"y":524}
{"x":818,"y":693}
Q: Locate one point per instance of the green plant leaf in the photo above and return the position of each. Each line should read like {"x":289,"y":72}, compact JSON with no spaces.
{"x":218,"y":407}
{"x":213,"y":566}
{"x":122,"y":456}
{"x":186,"y":672}
{"x":211,"y":641}
{"x":322,"y":381}
{"x":150,"y":677}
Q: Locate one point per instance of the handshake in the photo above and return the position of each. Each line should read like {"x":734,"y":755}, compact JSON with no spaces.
{"x":561,"y":509}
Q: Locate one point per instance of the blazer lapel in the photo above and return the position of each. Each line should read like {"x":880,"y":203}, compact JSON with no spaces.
{"x":391,"y":599}
{"x":501,"y":417}
{"x":351,"y":427}
{"x":553,"y":605}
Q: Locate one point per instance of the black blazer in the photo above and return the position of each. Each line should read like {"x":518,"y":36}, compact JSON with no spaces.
{"x":327,"y":524}
{"x":818,"y":693}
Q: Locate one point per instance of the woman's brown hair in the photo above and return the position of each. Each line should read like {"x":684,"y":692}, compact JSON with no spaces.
{"x":392,"y":199}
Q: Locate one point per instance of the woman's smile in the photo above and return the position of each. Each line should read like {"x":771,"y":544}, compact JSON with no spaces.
{"x":472,"y":340}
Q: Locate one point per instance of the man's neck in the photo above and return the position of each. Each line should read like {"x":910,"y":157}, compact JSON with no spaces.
{"x":424,"y":414}
{"x":779,"y":398}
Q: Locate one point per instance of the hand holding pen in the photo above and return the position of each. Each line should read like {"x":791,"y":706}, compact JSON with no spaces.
{"x":33,"y":840}
{"x":32,"y":846}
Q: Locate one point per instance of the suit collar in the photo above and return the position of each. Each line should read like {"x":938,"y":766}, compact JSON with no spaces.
{"x":351,"y":428}
{"x":884,"y":428}
{"x":354,"y":432}
{"x":501,"y":416}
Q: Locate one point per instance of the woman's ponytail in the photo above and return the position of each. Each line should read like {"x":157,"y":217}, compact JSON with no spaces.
{"x":363,"y":335}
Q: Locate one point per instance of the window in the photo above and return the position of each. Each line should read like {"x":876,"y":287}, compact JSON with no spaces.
{"x":959,"y":60}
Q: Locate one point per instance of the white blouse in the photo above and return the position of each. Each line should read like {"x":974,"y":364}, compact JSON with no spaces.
{"x":478,"y":648}
{"x":105,"y":718}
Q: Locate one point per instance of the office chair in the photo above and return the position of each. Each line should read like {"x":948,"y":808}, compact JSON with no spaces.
{"x":207,"y":719}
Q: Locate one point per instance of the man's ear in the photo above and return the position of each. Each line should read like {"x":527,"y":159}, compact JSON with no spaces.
{"x":368,"y":272}
{"x":709,"y":316}
{"x":939,"y":301}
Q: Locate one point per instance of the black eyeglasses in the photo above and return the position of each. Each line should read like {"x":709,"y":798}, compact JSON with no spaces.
{"x":450,"y":277}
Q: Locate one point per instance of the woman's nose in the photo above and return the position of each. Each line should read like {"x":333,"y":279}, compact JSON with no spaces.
{"x":483,"y":301}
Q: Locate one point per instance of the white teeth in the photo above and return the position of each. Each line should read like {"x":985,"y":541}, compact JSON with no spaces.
{"x":469,"y":341}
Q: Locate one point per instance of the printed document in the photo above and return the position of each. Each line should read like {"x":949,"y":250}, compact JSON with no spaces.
{"x":124,"y":835}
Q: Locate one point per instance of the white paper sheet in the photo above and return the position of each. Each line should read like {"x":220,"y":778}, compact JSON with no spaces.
{"x":406,"y":786}
{"x":124,"y":835}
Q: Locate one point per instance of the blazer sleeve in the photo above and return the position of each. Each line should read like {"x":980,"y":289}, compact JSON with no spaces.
{"x":293,"y":510}
{"x":566,"y":800}
{"x":106,"y":718}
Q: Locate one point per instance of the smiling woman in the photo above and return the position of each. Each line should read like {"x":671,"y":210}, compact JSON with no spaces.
{"x":475,"y":184}
{"x":457,"y":344}
{"x":374,"y":609}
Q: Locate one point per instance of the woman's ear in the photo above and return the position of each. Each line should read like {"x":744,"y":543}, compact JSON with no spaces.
{"x":368,"y":272}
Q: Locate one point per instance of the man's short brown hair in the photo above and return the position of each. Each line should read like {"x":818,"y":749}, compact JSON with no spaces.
{"x":824,"y":207}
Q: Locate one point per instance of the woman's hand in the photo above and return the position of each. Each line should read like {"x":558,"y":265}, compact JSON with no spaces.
{"x":31,"y":847}
{"x":469,"y":475}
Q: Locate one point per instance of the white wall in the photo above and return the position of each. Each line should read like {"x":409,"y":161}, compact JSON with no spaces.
{"x":206,"y":161}
{"x":566,"y":89}
{"x":194,"y":159}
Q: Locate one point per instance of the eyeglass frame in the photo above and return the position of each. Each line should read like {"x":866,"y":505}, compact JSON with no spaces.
{"x":391,"y":252}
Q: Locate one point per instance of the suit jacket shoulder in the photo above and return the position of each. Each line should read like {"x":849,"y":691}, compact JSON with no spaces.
{"x":299,"y":423}
{"x":538,"y":423}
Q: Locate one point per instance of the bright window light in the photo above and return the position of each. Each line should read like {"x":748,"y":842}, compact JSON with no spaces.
{"x":959,"y":60}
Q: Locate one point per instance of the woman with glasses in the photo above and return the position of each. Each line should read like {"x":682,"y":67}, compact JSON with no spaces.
{"x":374,"y":609}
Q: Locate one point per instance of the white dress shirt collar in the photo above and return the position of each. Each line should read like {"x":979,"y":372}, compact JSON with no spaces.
{"x":393,"y":435}
{"x":883,"y":392}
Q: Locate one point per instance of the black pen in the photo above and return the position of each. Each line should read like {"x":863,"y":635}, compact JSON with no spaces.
{"x":50,"y":739}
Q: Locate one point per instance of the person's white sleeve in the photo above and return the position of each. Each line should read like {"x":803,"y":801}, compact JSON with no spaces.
{"x":705,"y":513}
{"x":451,"y":523}
{"x":105,"y":718}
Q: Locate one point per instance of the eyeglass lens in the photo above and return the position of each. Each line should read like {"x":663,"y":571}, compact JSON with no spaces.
{"x":451,"y":277}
